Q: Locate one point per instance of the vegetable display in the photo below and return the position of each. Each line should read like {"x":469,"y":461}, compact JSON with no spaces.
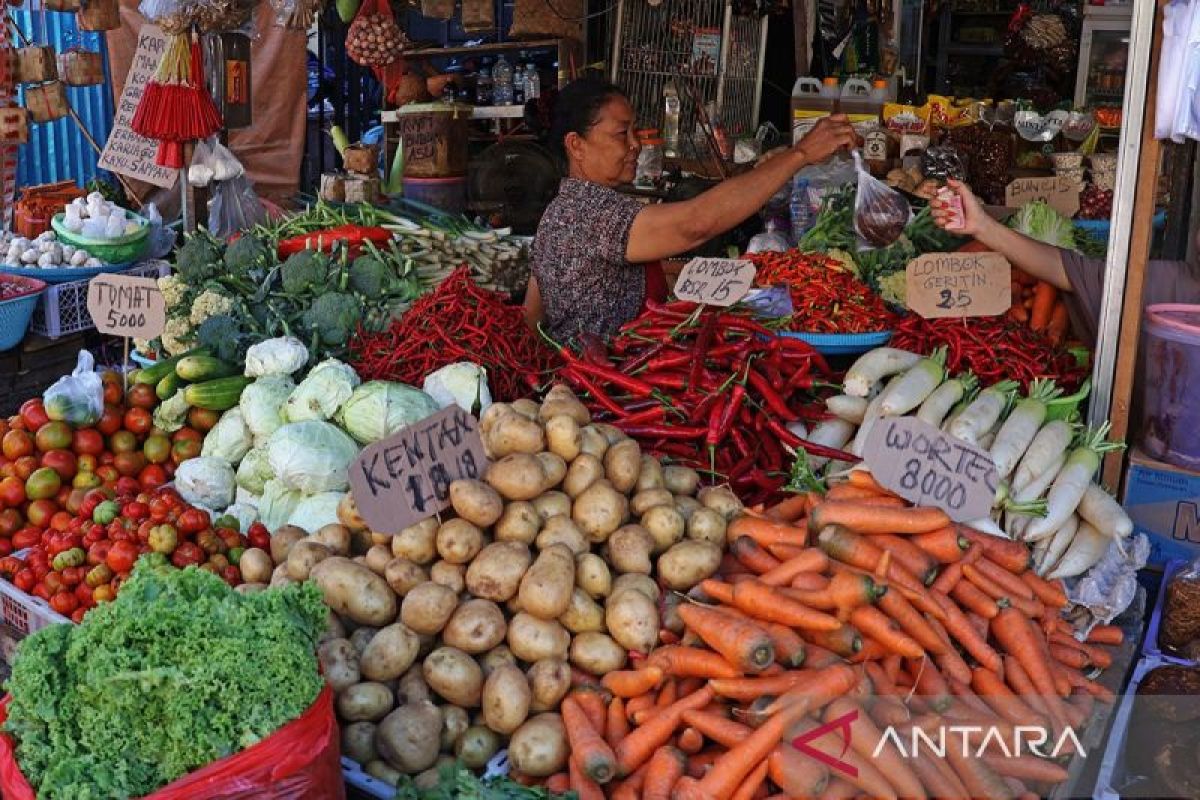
{"x":824,"y":298}
{"x":1040,"y":305}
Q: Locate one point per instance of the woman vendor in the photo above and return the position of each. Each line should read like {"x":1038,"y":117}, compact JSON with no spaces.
{"x":592,"y":244}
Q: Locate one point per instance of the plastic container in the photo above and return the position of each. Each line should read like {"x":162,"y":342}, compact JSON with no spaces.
{"x":448,"y":194}
{"x":121,"y":250}
{"x":24,"y":612}
{"x":1150,"y":646}
{"x":16,"y":312}
{"x":1170,"y":413}
{"x":812,"y":100}
{"x":830,"y":89}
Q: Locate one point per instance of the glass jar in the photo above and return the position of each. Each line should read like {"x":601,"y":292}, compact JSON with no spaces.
{"x":650,"y":159}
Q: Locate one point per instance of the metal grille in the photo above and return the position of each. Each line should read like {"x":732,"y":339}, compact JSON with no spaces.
{"x":701,"y":42}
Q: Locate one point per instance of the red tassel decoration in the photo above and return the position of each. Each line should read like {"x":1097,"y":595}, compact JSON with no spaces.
{"x":176,"y":106}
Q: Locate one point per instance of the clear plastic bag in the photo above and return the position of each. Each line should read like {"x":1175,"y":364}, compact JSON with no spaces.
{"x":880,"y":212}
{"x":1179,"y":630}
{"x":77,"y":398}
{"x":235,"y":207}
{"x":162,"y":238}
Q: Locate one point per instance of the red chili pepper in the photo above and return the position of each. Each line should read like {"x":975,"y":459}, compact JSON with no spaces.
{"x":813,"y":449}
{"x":770,"y":396}
{"x":660,"y":431}
{"x":573,"y":375}
{"x":351,"y":236}
{"x":655,"y":413}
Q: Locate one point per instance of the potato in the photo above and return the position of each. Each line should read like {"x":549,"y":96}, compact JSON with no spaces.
{"x":506,"y":699}
{"x":455,"y":722}
{"x":597,"y":653}
{"x":686,"y":505}
{"x":585,"y":470}
{"x":623,"y":464}
{"x":410,"y":737}
{"x":669,"y":608}
{"x":476,"y":746}
{"x":491,"y":415}
{"x":432,"y":777}
{"x":402,"y":575}
{"x":583,"y":614}
{"x":599,"y":511}
{"x":412,"y":688}
{"x":687,"y":563}
{"x":629,"y":549}
{"x":334,"y":629}
{"x":520,"y":522}
{"x":563,"y":437}
{"x":334,"y":536}
{"x":347,"y":514}
{"x":452,"y":576}
{"x":476,"y":626}
{"x":517,"y":477}
{"x":611,"y":433}
{"x":645,"y":500}
{"x":361,"y":637}
{"x":377,"y":559}
{"x":638,"y":582}
{"x":552,"y":504}
{"x":592,"y":575}
{"x":454,"y":675}
{"x":458,"y":541}
{"x":282,"y":541}
{"x":549,"y":680}
{"x":417,"y":543}
{"x":355,"y":591}
{"x":553,"y":467}
{"x":526,"y":408}
{"x":515,"y":434}
{"x":539,"y":747}
{"x":390,"y":653}
{"x":476,"y":502}
{"x":532,"y":639}
{"x":561,"y":530}
{"x":561,"y":401}
{"x":680,"y":480}
{"x":720,"y":499}
{"x":427,"y":607}
{"x":632,"y":619}
{"x":498,"y":656}
{"x":303,"y":556}
{"x":369,"y":701}
{"x":339,"y":663}
{"x":592,"y":442}
{"x":361,"y":541}
{"x":665,"y":525}
{"x":255,"y":566}
{"x":706,"y":525}
{"x":280,"y":576}
{"x":496,"y":572}
{"x":383,"y":771}
{"x":358,"y":742}
{"x":545,"y":590}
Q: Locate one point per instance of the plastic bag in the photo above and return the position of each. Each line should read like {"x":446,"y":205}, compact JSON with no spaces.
{"x":77,"y":398}
{"x":162,"y":238}
{"x":234,"y":207}
{"x":300,"y":761}
{"x":1179,"y":630}
{"x":880,"y":212}
{"x":771,"y":240}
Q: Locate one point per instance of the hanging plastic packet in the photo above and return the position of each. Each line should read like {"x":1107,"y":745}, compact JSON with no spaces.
{"x":162,"y":238}
{"x":200,"y":171}
{"x":77,"y":398}
{"x":234,"y":207}
{"x":880,"y":212}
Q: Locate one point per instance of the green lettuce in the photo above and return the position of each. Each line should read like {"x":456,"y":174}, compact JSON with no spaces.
{"x":1037,"y":220}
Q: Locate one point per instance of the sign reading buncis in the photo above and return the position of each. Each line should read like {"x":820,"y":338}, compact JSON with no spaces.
{"x":715,"y":281}
{"x":124,"y":305}
{"x":958,"y":285}
{"x":405,"y":478}
{"x":1061,"y":194}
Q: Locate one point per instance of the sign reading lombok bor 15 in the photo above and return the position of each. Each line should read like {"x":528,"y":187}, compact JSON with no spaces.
{"x":715,"y":281}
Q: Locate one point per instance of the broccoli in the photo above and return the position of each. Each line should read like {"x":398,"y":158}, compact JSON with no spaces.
{"x":304,"y":269}
{"x":370,"y":277}
{"x":334,"y":317}
{"x":198,"y":259}
{"x":222,"y":334}
{"x":247,"y":253}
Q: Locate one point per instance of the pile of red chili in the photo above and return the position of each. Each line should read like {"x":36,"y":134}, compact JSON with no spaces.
{"x":994,"y":348}
{"x":458,"y":321}
{"x":825,"y":299}
{"x":711,"y":389}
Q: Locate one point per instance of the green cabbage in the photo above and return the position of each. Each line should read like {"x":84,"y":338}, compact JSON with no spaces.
{"x":254,"y":471}
{"x":311,"y":456}
{"x":377,"y":409}
{"x":229,"y":440}
{"x":1038,"y":220}
{"x":463,"y":384}
{"x":207,"y":481}
{"x":322,"y":393}
{"x":277,"y":504}
{"x":316,"y":511}
{"x":262,"y":404}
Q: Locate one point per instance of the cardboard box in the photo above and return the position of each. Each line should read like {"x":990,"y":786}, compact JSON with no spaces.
{"x":1164,"y":502}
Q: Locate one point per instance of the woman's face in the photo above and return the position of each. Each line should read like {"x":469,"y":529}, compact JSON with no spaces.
{"x":608,"y":153}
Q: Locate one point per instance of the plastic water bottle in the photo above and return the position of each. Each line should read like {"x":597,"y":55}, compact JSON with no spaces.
{"x":483,"y":87}
{"x":801,"y":208}
{"x":671,"y":109}
{"x":502,"y":76}
{"x":533,"y":82}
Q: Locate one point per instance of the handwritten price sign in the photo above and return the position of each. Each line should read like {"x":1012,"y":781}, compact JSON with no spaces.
{"x":959,"y":285}
{"x":124,"y":305}
{"x":405,"y":478}
{"x":930,"y":468}
{"x":715,"y":281}
{"x":1061,"y":194}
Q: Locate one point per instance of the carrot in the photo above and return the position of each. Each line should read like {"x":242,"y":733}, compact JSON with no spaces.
{"x":667,"y":694}
{"x":667,"y":636}
{"x":689,"y":685}
{"x":632,"y":682}
{"x":1097,"y":655}
{"x":631,"y":787}
{"x":663,"y":771}
{"x":1071,"y":657}
{"x":936,"y":783}
{"x":691,"y":662}
{"x":789,"y":647}
{"x":1015,"y":633}
{"x":896,"y":606}
{"x":1060,"y":321}
{"x":949,"y":661}
{"x":809,"y":581}
{"x":1105,"y":634}
{"x":979,"y":623}
{"x":639,"y":703}
{"x":744,"y":690}
{"x":844,"y":642}
{"x":865,"y":774}
{"x":960,"y":630}
{"x":1013,"y":584}
{"x":863,"y":478}
{"x":875,"y":624}
{"x":789,"y":509}
{"x":1097,"y":690}
{"x":913,"y":558}
{"x":838,"y":789}
{"x":719,"y":591}
{"x":752,"y":555}
{"x":722,"y":730}
{"x":871,"y":651}
{"x":858,"y":551}
{"x":584,"y":787}
{"x":1029,"y":768}
{"x":863,"y":518}
{"x":846,"y":591}
{"x":848,"y":491}
{"x":1044,"y":295}
{"x":945,"y":545}
{"x":742,"y":643}
{"x":979,"y":779}
{"x":866,"y":739}
{"x":594,"y":703}
{"x":971,"y":597}
{"x":616,"y":724}
{"x":816,"y":656}
{"x":1018,"y":680}
{"x":592,"y":753}
{"x":753,"y":782}
{"x":763,"y":602}
{"x":810,"y":560}
{"x":559,"y":782}
{"x":739,"y":761}
{"x":766,"y":532}
{"x":951,"y":573}
{"x":1000,"y":698}
{"x":795,"y":773}
{"x":1049,"y":592}
{"x":786,"y":552}
{"x":1013,"y":556}
{"x":930,"y":684}
{"x":690,"y":741}
{"x":636,"y":748}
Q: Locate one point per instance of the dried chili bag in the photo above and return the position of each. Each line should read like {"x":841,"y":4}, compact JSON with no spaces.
{"x":880,"y":212}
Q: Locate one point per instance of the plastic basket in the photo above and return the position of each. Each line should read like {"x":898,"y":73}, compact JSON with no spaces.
{"x":24,"y":612}
{"x":141,"y":360}
{"x":16,"y":312}
{"x":839,"y":344}
{"x":64,"y":309}
{"x":121,"y":250}
{"x":66,"y":274}
{"x":353,"y":774}
{"x":1065,"y":407}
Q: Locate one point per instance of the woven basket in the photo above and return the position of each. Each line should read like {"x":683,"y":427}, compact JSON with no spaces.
{"x":16,"y":312}
{"x":35,"y":63}
{"x":80,"y":68}
{"x":46,"y":102}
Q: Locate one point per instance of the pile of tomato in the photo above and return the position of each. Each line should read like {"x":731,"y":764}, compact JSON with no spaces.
{"x":47,"y":466}
{"x":80,"y":564}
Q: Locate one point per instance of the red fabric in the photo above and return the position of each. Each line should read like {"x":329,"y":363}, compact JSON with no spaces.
{"x":300,"y":761}
{"x":656,"y":283}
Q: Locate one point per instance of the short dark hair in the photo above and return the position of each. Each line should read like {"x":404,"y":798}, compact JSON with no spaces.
{"x":577,"y":108}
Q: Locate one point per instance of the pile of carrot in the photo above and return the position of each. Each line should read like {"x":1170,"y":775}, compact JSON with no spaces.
{"x":1039,"y":305}
{"x":856,"y":611}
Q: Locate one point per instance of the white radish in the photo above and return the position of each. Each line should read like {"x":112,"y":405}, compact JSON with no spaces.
{"x":875,"y":365}
{"x":915,"y":384}
{"x":1086,"y":548}
{"x":833,"y":433}
{"x":1104,"y":513}
{"x":870,"y":417}
{"x":848,"y":408}
{"x":985,"y":442}
{"x":1038,"y":554}
{"x":1058,"y":544}
{"x":1048,"y":446}
{"x":798,"y":429}
{"x":945,"y":397}
{"x":983,"y":413}
{"x":1019,"y":429}
{"x":1023,"y":500}
{"x":987,"y":525}
{"x":1071,"y":482}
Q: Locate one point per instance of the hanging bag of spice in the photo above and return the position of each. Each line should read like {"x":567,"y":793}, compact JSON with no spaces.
{"x":478,"y":16}
{"x":880,"y":212}
{"x":550,"y":19}
{"x":98,"y":15}
{"x":374,"y":39}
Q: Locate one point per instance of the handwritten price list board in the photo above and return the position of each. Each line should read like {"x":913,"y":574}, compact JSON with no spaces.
{"x":125,"y":305}
{"x":715,"y":281}
{"x":930,"y":468}
{"x":959,"y":285}
{"x":126,"y":152}
{"x":405,"y":478}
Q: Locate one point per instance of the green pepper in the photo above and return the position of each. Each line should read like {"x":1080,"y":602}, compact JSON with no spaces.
{"x":68,"y":558}
{"x":235,"y":554}
{"x":228,"y":521}
{"x":106,"y":512}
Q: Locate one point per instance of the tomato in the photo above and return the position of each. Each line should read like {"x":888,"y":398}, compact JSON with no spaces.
{"x":138,"y":421}
{"x":202,"y":419}
{"x":24,"y":580}
{"x":98,"y":553}
{"x":61,"y":461}
{"x":33,"y":414}
{"x":61,"y":521}
{"x":185,"y":449}
{"x":187,"y":553}
{"x":42,"y":484}
{"x":63,"y":494}
{"x":86,"y":480}
{"x":232,"y":575}
{"x":122,"y":556}
{"x":231,"y":538}
{"x":87,"y":441}
{"x":87,"y":463}
{"x":157,"y":449}
{"x":123,"y":442}
{"x":12,"y":492}
{"x":11,"y":521}
{"x":127,"y":486}
{"x":193,"y":520}
{"x":110,"y":420}
{"x":40,"y":512}
{"x":7,"y":470}
{"x":187,"y":435}
{"x":160,"y":507}
{"x":16,"y":444}
{"x":25,"y":466}
{"x":78,"y":614}
{"x":54,"y":435}
{"x":6,"y":547}
{"x":41,"y":590}
{"x":64,"y":603}
{"x":137,"y":510}
{"x":259,"y":536}
{"x":71,"y":576}
{"x":141,"y":395}
{"x":108,"y":474}
{"x":104,"y":594}
{"x":75,"y":500}
{"x":153,"y":476}
{"x":54,"y":582}
{"x":10,"y":566}
{"x":219,"y":561}
{"x":83,"y":593}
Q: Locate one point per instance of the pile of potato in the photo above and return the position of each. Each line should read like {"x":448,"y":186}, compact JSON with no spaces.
{"x":457,"y":635}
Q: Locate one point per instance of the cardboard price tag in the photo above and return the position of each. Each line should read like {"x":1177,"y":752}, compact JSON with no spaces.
{"x":959,"y":285}
{"x":930,"y":468}
{"x":715,"y":281}
{"x":405,"y":478}
{"x":1062,"y":194}
{"x":128,"y":306}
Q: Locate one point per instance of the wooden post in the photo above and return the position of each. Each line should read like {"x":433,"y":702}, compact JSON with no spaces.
{"x":802,"y":34}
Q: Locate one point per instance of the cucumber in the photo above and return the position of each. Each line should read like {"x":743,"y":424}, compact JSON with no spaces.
{"x":168,"y":386}
{"x":220,"y":394}
{"x":156,"y":372}
{"x":197,"y":369}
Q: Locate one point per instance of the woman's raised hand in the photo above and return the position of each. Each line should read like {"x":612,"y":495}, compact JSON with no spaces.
{"x":973,"y":216}
{"x":830,"y":135}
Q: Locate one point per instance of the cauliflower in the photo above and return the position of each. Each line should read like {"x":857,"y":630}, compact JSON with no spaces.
{"x":210,"y":303}
{"x":177,"y":336}
{"x":893,"y":288}
{"x":173,"y":290}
